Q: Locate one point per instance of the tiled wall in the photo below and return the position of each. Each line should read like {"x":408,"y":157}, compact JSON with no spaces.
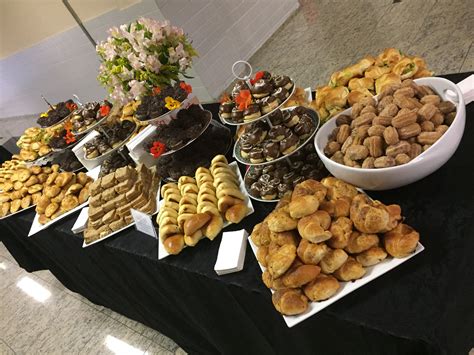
{"x":223,"y":31}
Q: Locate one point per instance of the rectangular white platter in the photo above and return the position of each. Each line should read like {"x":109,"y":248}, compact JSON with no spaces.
{"x":162,"y":253}
{"x":37,"y":227}
{"x":372,"y":273}
{"x":84,"y":245}
{"x":19,"y":211}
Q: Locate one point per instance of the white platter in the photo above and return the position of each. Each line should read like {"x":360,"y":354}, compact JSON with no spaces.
{"x":38,"y":227}
{"x":372,"y":273}
{"x":162,"y":253}
{"x":19,"y":211}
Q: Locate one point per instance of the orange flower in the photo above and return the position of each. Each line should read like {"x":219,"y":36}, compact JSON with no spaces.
{"x":157,"y":149}
{"x":69,"y":137}
{"x":244,"y":99}
{"x":257,"y":77}
{"x":104,"y":110}
{"x":224,"y":98}
{"x":186,"y":87}
{"x":156,"y":90}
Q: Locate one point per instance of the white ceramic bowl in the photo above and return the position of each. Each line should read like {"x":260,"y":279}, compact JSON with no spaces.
{"x":423,"y":165}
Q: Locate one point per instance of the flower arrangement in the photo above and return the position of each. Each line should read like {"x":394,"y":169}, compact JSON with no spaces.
{"x":141,"y":56}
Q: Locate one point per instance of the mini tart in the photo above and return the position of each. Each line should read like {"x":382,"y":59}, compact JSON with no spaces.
{"x":237,"y":115}
{"x":256,"y":156}
{"x":252,"y":112}
{"x":225,"y":109}
{"x":289,"y":144}
{"x":268,"y":104}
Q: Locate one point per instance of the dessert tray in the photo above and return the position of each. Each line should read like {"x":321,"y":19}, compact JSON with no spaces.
{"x":120,"y":145}
{"x":301,"y":143}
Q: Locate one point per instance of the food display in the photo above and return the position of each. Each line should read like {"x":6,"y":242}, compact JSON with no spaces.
{"x":110,"y":137}
{"x":68,"y":161}
{"x":271,"y":182}
{"x":115,"y":161}
{"x":300,"y":98}
{"x":56,"y":114}
{"x":324,"y":234}
{"x":217,"y":139}
{"x":197,"y":207}
{"x":33,"y":143}
{"x":367,"y":78}
{"x":188,"y":125}
{"x":290,"y":129}
{"x":162,"y":101}
{"x":248,"y":103}
{"x":114,"y":195}
{"x":405,"y":121}
{"x":89,"y":115}
{"x":56,"y":192}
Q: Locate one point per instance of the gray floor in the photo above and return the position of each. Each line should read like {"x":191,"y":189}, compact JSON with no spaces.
{"x":325,"y":35}
{"x":321,"y":37}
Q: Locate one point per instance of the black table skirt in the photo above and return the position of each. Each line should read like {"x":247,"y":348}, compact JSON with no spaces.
{"x":425,"y":306}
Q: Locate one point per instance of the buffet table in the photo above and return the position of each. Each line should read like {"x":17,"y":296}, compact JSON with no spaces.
{"x":424,"y":306}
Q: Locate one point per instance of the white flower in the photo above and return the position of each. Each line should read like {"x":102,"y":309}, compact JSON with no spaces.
{"x":114,"y":31}
{"x":137,"y":88}
{"x":183,"y":64}
{"x":134,"y":61}
{"x":173,"y":57}
{"x":153,"y":63}
{"x":180,"y":51}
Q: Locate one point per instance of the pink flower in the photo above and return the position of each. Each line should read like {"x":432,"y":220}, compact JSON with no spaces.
{"x":134,"y":61}
{"x":137,"y":88}
{"x":153,"y":63}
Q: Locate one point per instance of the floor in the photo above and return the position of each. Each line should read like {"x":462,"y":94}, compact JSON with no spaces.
{"x":326,"y":35}
{"x":38,"y":315}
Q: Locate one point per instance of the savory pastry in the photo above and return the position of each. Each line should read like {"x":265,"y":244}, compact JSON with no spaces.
{"x":322,"y":288}
{"x":371,"y":256}
{"x":280,"y":261}
{"x":401,"y":241}
{"x":350,"y":270}
{"x":290,"y":301}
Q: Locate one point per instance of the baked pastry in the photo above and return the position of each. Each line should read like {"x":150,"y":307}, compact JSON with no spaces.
{"x":401,"y":241}
{"x":312,"y":227}
{"x":359,"y":242}
{"x":281,"y":221}
{"x":290,"y":301}
{"x":371,"y":256}
{"x":174,"y":244}
{"x":261,"y":234}
{"x":281,"y":260}
{"x":341,"y":230}
{"x":333,"y":260}
{"x":311,"y":253}
{"x":300,"y":275}
{"x":350,"y":270}
{"x":322,"y":288}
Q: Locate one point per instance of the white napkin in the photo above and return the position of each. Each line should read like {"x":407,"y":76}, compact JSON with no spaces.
{"x":231,"y":255}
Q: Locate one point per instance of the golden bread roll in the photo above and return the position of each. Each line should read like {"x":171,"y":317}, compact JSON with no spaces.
{"x":69,"y":202}
{"x":32,"y":180}
{"x":371,"y":256}
{"x":35,"y":198}
{"x":23,"y":175}
{"x":51,"y":191}
{"x":15,"y":205}
{"x":236,"y":213}
{"x":300,"y":275}
{"x":83,"y":195}
{"x":301,"y":206}
{"x":312,"y":253}
{"x":281,"y":260}
{"x":82,"y":178}
{"x":195,"y":223}
{"x":341,"y":230}
{"x":310,"y":229}
{"x":59,"y":197}
{"x":5,"y":209}
{"x":310,"y":187}
{"x":17,"y":185}
{"x":26,"y":201}
{"x":282,"y":238}
{"x":35,"y":169}
{"x":281,"y":221}
{"x":401,"y":241}
{"x":42,"y":219}
{"x":290,"y":301}
{"x":212,"y":229}
{"x":74,"y":189}
{"x":193,"y":239}
{"x":63,"y":179}
{"x":52,"y":177}
{"x":359,"y":242}
{"x":43,"y":202}
{"x":35,"y":188}
{"x":333,"y":260}
{"x":322,"y":288}
{"x":262,"y":253}
{"x":338,"y":189}
{"x":174,"y":244}
{"x":52,"y":207}
{"x":42,"y":178}
{"x":261,"y":234}
{"x":4,"y":197}
{"x":350,"y":270}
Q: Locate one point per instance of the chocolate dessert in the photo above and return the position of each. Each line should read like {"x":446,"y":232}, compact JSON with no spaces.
{"x":57,"y":113}
{"x":153,"y":106}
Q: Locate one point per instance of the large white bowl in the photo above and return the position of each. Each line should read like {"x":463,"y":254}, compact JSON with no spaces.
{"x":423,"y":165}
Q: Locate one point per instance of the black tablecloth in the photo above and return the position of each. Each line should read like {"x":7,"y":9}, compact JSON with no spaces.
{"x":424,"y":306}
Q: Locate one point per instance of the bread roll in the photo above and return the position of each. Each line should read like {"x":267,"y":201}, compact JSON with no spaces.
{"x":281,"y":221}
{"x":401,"y":241}
{"x":42,"y":219}
{"x":212,"y":229}
{"x":236,"y":213}
{"x":310,"y":187}
{"x":338,"y":189}
{"x":300,"y":275}
{"x":336,"y":208}
{"x":290,"y":301}
{"x":333,"y":260}
{"x":43,"y":202}
{"x":311,"y":253}
{"x":52,"y":207}
{"x":350,"y":270}
{"x":358,"y":242}
{"x":193,"y":239}
{"x":174,"y":244}
{"x":280,"y":260}
{"x":26,"y":201}
{"x":195,"y":223}
{"x":310,"y":228}
{"x":282,"y":238}
{"x":341,"y":230}
{"x":301,"y":206}
{"x":369,"y":217}
{"x":260,"y":234}
{"x":262,"y":253}
{"x":371,"y":256}
{"x":322,"y":288}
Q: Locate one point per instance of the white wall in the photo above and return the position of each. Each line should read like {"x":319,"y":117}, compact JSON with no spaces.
{"x":223,"y":31}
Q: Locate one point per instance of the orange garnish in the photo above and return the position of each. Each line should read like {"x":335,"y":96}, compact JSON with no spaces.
{"x":224,"y":98}
{"x":257,"y":77}
{"x":157,"y":149}
{"x":186,"y":87}
{"x":156,"y":90}
{"x":244,"y":99}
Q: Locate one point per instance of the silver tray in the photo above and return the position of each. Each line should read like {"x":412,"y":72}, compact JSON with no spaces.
{"x":253,"y":197}
{"x":226,"y":121}
{"x":113,"y":149}
{"x":92,"y":126}
{"x":316,"y":122}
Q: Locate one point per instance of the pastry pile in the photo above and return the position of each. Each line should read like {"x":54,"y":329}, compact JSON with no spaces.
{"x":290,"y":128}
{"x":406,"y":121}
{"x":326,"y":233}
{"x":196,"y":208}
{"x":367,"y":78}
{"x":33,"y":143}
{"x":21,"y":186}
{"x":60,"y":192}
{"x":249,"y":102}
{"x":114,"y":195}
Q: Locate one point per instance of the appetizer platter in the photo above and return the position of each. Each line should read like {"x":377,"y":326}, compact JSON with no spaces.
{"x":201,"y":206}
{"x":255,"y":99}
{"x":112,"y":198}
{"x":325,"y":240}
{"x":288,"y":131}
